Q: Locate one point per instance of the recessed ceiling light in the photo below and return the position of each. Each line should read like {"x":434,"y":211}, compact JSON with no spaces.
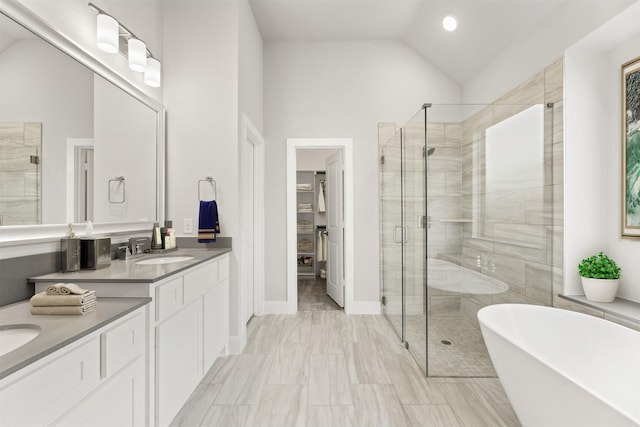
{"x":450,"y":22}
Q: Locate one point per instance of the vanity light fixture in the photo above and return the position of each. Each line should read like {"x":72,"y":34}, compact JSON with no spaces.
{"x":137,"y":53}
{"x":152,"y":73}
{"x":107,"y":33}
{"x":112,"y":36}
{"x":450,"y":22}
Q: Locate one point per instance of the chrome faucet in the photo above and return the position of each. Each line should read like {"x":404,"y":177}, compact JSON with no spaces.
{"x":124,"y":252}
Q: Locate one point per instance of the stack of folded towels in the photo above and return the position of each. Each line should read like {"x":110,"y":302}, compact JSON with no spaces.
{"x":63,"y":298}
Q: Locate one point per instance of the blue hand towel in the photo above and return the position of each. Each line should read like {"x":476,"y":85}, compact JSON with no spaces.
{"x":208,"y":225}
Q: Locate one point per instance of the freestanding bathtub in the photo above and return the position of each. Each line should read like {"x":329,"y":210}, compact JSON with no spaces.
{"x":562,"y":368}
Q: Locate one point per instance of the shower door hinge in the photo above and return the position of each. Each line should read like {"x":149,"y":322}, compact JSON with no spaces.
{"x":384,"y":300}
{"x":382,"y":160}
{"x":34,"y":160}
{"x":406,"y":345}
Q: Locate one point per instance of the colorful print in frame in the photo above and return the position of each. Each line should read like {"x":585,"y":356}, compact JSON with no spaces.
{"x":631,"y":148}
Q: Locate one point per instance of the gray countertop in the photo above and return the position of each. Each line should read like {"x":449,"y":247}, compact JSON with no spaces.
{"x":58,"y":331}
{"x":130,"y":271}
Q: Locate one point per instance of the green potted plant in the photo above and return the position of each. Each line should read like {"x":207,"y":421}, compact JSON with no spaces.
{"x":600,"y":278}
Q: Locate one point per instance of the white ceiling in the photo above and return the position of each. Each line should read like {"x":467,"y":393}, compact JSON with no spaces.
{"x":487,"y":27}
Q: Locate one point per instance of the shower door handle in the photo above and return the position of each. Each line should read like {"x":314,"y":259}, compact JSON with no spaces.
{"x":424,"y":221}
{"x":403,"y":233}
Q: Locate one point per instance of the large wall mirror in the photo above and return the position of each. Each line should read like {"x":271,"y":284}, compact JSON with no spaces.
{"x":76,"y":142}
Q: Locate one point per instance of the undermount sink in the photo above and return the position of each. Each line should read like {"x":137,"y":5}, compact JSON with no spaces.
{"x":164,"y":260}
{"x":14,"y":336}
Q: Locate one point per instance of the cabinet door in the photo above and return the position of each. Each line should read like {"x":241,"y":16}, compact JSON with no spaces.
{"x":178,"y":360}
{"x":43,"y":394}
{"x":216,"y":319}
{"x":120,"y":401}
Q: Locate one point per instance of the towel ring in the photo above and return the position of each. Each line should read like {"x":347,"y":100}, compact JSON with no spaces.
{"x":213,"y":184}
{"x":120,"y":180}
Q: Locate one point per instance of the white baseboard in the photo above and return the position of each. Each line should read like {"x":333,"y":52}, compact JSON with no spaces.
{"x":276,"y":307}
{"x":236,"y":344}
{"x":365,"y":307}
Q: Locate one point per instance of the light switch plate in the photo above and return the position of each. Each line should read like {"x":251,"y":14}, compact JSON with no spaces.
{"x":187,"y":226}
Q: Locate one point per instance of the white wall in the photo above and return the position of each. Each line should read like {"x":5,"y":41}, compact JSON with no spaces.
{"x":41,"y":84}
{"x":586,"y":144}
{"x":124,"y":145}
{"x":539,"y":49}
{"x":201,"y":97}
{"x":625,"y":251}
{"x":593,"y":151}
{"x":206,"y":88}
{"x":77,"y":21}
{"x":339,"y":89}
{"x":312,"y":159}
{"x":250,"y":66}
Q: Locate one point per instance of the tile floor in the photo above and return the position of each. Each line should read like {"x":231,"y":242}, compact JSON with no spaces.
{"x":465,"y":356}
{"x":325,"y":368}
{"x":312,"y":295}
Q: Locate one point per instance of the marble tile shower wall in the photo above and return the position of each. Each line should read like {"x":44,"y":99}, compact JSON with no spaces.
{"x":390,"y":189}
{"x":445,"y":181}
{"x":20,"y":201}
{"x":521,"y":230}
{"x":516,"y":234}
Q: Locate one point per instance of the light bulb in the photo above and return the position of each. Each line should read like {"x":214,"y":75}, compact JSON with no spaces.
{"x":107,"y":33}
{"x":450,"y":22}
{"x":152,"y":75}
{"x":137,"y":55}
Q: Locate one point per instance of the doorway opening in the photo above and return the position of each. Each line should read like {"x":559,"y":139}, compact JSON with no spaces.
{"x":319,"y":244}
{"x":314,"y":205}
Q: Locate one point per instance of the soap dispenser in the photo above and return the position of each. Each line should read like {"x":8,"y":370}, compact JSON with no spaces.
{"x":156,"y":237}
{"x":70,"y":251}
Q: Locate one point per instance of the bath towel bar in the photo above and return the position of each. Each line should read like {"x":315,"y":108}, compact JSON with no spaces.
{"x":120,"y":180}
{"x":213,"y":184}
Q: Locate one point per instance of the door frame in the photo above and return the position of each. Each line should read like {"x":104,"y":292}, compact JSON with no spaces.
{"x":249,"y":133}
{"x":345,"y":144}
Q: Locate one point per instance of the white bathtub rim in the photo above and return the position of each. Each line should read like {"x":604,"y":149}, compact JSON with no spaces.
{"x":482,"y":319}
{"x":498,"y":285}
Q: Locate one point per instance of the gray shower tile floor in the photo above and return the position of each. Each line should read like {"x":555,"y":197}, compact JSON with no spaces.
{"x":326,"y":368}
{"x":466,"y":354}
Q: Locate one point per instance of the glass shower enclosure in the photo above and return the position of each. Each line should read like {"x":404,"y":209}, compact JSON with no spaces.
{"x":466,"y":221}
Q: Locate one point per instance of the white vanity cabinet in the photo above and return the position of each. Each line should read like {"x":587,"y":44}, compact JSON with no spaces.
{"x":187,"y":326}
{"x":191,"y":332}
{"x":98,"y":380}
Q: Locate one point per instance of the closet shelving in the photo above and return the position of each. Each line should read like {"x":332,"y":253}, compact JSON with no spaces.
{"x":309,"y":221}
{"x":305,"y":203}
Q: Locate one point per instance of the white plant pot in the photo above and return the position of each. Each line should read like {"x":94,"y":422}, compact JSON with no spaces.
{"x":600,"y":290}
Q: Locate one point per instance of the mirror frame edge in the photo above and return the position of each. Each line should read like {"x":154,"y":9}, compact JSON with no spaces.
{"x":39,"y":233}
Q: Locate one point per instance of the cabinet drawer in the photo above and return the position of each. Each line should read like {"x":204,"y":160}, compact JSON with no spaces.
{"x":42,"y":395}
{"x":169,"y":298}
{"x":200,"y":281}
{"x":122,"y":344}
{"x":223,"y":268}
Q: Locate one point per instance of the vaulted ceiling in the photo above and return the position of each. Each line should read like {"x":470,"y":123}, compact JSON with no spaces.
{"x":487,"y":27}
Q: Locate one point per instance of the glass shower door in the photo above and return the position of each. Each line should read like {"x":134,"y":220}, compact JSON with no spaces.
{"x":415,"y":221}
{"x":392,"y":233}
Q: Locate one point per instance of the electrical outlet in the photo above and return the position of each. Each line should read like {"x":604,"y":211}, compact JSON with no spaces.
{"x":187,"y":226}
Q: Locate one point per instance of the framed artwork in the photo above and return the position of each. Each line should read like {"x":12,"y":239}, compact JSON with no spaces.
{"x":631,"y":148}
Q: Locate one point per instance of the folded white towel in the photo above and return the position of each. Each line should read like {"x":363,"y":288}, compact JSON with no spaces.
{"x":65,"y":289}
{"x":54,"y":289}
{"x":64,"y":309}
{"x":43,"y":300}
